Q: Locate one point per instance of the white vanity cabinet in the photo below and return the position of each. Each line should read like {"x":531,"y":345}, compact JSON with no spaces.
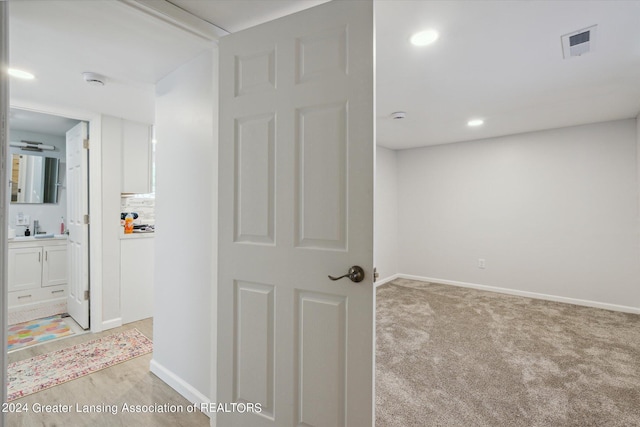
{"x":54,"y":269}
{"x":25,"y":268}
{"x":37,"y":270}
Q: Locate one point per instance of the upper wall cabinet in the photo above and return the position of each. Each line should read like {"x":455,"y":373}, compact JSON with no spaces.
{"x":136,"y":157}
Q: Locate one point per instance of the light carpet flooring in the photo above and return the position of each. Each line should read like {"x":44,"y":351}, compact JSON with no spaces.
{"x":129,"y":382}
{"x":450,"y":356}
{"x":446,"y":356}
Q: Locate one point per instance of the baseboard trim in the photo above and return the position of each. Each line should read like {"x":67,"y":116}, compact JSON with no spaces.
{"x":535,"y":295}
{"x":185,"y":389}
{"x":113,"y":323}
{"x":387,"y":279}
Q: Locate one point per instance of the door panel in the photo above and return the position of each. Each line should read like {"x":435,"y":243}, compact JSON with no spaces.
{"x":322,"y":333}
{"x":54,"y":269}
{"x":321,"y":173}
{"x":255,"y":341}
{"x":25,"y":268}
{"x":296,"y":204}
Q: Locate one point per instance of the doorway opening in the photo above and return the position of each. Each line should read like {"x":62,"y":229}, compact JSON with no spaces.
{"x":42,"y":201}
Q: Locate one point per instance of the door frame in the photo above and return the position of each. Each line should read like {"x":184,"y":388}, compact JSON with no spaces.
{"x":4,"y":223}
{"x":95,"y":202}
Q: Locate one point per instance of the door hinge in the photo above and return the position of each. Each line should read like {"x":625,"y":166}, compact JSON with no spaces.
{"x":85,"y":144}
{"x":375,"y":274}
{"x":86,"y":295}
{"x":86,"y":219}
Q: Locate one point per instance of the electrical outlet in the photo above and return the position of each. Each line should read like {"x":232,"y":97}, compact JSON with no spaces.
{"x":481,"y":263}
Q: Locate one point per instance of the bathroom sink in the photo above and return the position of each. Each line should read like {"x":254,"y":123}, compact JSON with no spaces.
{"x":39,"y":236}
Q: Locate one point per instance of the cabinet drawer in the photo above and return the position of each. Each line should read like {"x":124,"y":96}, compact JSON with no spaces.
{"x":53,"y":292}
{"x":28,"y":296}
{"x":22,"y":297}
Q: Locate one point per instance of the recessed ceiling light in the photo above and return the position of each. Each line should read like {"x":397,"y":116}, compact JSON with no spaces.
{"x":20,"y":74}
{"x":475,"y":122}
{"x":424,"y":38}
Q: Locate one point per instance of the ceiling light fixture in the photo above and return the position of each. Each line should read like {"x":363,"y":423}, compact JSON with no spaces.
{"x":32,"y":146}
{"x":475,"y":122}
{"x":20,"y":74}
{"x":424,"y":38}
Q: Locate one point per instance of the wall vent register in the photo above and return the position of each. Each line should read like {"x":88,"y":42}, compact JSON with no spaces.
{"x":579,"y":42}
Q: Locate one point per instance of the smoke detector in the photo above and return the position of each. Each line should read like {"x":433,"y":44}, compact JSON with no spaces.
{"x":398,"y":115}
{"x":94,"y":79}
{"x":579,"y":42}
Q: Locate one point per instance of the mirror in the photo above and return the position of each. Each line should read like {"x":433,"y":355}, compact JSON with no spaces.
{"x":34,"y":179}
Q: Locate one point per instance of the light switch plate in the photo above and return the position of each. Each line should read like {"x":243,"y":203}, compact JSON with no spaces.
{"x":22,"y":219}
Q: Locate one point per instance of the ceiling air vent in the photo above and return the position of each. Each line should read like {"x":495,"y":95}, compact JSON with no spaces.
{"x":579,"y":42}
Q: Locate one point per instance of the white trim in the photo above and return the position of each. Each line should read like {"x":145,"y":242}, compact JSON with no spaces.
{"x":95,"y":227}
{"x":387,"y":279}
{"x":638,"y":177}
{"x":185,"y":389}
{"x":535,"y":295}
{"x":110,"y":324}
{"x":178,"y":17}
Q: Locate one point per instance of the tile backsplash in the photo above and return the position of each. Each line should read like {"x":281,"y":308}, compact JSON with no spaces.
{"x":145,"y":207}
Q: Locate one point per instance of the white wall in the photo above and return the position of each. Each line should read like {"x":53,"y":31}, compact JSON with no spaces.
{"x":47,"y":214}
{"x":186,"y":220}
{"x":552,"y":212}
{"x":386,"y":214}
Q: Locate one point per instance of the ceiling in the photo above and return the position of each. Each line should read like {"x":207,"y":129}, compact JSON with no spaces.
{"x":502,"y":61}
{"x":38,"y":122}
{"x":58,"y":40}
{"x":496,"y":60}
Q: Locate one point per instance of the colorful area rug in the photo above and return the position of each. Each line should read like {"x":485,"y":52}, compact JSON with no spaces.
{"x":37,"y":331}
{"x":47,"y":370}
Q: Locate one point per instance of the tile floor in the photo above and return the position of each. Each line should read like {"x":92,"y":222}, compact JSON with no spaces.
{"x":129,"y":382}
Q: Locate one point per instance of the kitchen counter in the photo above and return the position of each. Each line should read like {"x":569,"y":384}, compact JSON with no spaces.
{"x":139,"y":235}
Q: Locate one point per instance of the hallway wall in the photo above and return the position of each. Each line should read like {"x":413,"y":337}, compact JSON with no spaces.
{"x":386,"y":214}
{"x":186,"y":228}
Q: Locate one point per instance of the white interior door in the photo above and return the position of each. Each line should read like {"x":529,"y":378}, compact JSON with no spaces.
{"x":77,"y":208}
{"x":296,"y":205}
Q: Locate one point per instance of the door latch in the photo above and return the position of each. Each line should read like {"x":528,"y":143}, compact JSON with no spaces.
{"x":356,"y":274}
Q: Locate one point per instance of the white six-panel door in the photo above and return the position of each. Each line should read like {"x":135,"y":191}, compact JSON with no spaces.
{"x":77,"y":207}
{"x":296,"y":205}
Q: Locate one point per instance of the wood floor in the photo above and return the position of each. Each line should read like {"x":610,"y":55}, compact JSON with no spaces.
{"x":129,"y":382}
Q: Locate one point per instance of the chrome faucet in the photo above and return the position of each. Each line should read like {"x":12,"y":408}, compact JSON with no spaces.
{"x":36,"y":227}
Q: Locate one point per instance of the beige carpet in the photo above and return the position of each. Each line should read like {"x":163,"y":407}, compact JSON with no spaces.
{"x":449,"y":356}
